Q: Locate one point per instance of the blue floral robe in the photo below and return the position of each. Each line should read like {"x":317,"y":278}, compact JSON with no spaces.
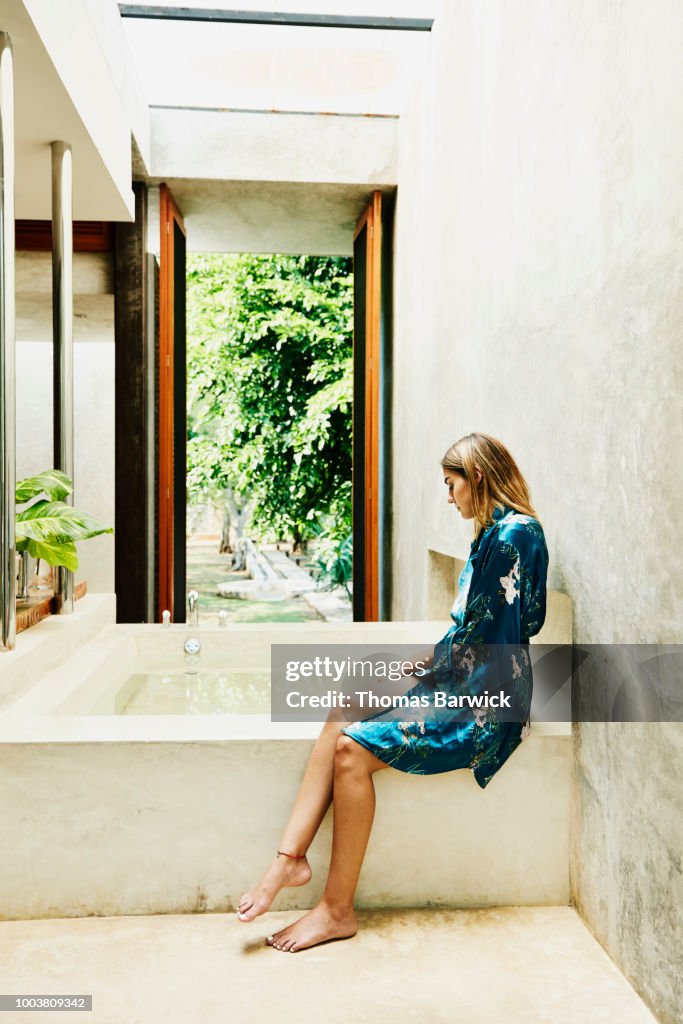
{"x":501,"y":601}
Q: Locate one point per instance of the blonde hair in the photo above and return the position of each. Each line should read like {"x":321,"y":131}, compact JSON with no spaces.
{"x":501,"y":484}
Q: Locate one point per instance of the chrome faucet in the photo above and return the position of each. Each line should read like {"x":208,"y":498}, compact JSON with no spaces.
{"x":193,"y":605}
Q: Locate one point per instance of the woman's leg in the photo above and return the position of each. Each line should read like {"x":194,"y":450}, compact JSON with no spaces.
{"x":354,"y":810}
{"x":310,"y":807}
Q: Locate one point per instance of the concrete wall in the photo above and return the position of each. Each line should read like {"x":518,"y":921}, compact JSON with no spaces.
{"x":211,"y":145}
{"x":272,"y":182}
{"x":78,"y":82}
{"x":93,"y":393}
{"x":539,"y":242}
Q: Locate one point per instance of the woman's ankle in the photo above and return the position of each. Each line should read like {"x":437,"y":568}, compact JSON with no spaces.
{"x":336,"y":908}
{"x":293,"y":854}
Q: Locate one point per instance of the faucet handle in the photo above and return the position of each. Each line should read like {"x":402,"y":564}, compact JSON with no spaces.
{"x":222,"y":617}
{"x":192,"y":598}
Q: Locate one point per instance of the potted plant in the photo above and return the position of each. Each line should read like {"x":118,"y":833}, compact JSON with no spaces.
{"x":49,"y":528}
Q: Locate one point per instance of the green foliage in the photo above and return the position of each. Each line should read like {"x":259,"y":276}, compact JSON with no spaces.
{"x":270,"y":385}
{"x":49,"y":527}
{"x":334,"y":559}
{"x":52,"y":482}
{"x":334,"y":542}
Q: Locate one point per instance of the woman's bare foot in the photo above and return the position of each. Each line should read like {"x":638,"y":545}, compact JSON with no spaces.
{"x":284,"y":871}
{"x":322,"y":924}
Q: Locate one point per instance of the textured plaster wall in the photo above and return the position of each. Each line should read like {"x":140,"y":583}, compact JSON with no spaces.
{"x":539,"y":264}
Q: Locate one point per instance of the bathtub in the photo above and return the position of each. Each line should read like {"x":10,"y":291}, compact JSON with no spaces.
{"x":117,"y":798}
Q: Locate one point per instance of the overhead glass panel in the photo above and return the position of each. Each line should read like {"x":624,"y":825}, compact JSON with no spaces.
{"x":276,"y":67}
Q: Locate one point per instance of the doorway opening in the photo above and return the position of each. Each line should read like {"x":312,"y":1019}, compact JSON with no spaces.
{"x":269,"y":439}
{"x":286,"y":435}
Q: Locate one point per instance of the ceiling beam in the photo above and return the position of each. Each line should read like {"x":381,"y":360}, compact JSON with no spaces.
{"x":214,"y":14}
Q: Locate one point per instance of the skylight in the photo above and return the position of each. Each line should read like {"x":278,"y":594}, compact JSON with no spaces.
{"x":237,"y":66}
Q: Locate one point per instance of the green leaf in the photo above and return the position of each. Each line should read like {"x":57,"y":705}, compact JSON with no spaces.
{"x":53,"y":522}
{"x":55,"y":554}
{"x":52,"y":482}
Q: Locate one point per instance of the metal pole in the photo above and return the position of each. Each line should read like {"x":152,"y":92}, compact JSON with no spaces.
{"x":8,"y":469}
{"x":62,"y":334}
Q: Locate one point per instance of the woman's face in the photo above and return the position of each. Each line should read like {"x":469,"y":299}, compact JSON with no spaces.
{"x":459,"y":493}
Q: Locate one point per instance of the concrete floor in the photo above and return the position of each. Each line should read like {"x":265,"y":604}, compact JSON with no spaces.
{"x":502,"y":965}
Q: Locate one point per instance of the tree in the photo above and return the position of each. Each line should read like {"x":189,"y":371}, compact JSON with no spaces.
{"x":270,"y":384}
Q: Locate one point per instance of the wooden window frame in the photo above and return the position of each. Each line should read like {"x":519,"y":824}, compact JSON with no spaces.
{"x":372,"y":220}
{"x":169,"y":215}
{"x":88,"y":236}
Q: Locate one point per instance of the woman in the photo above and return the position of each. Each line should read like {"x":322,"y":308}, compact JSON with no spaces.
{"x":500,"y":602}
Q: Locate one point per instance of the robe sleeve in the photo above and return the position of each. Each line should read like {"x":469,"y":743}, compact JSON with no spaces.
{"x":507,"y":597}
{"x":493,"y":613}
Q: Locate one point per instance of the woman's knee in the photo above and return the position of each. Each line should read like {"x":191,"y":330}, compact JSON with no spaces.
{"x":347,"y":755}
{"x":350,"y":756}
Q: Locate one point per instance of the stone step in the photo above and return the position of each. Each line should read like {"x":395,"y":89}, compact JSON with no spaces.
{"x":296,"y":578}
